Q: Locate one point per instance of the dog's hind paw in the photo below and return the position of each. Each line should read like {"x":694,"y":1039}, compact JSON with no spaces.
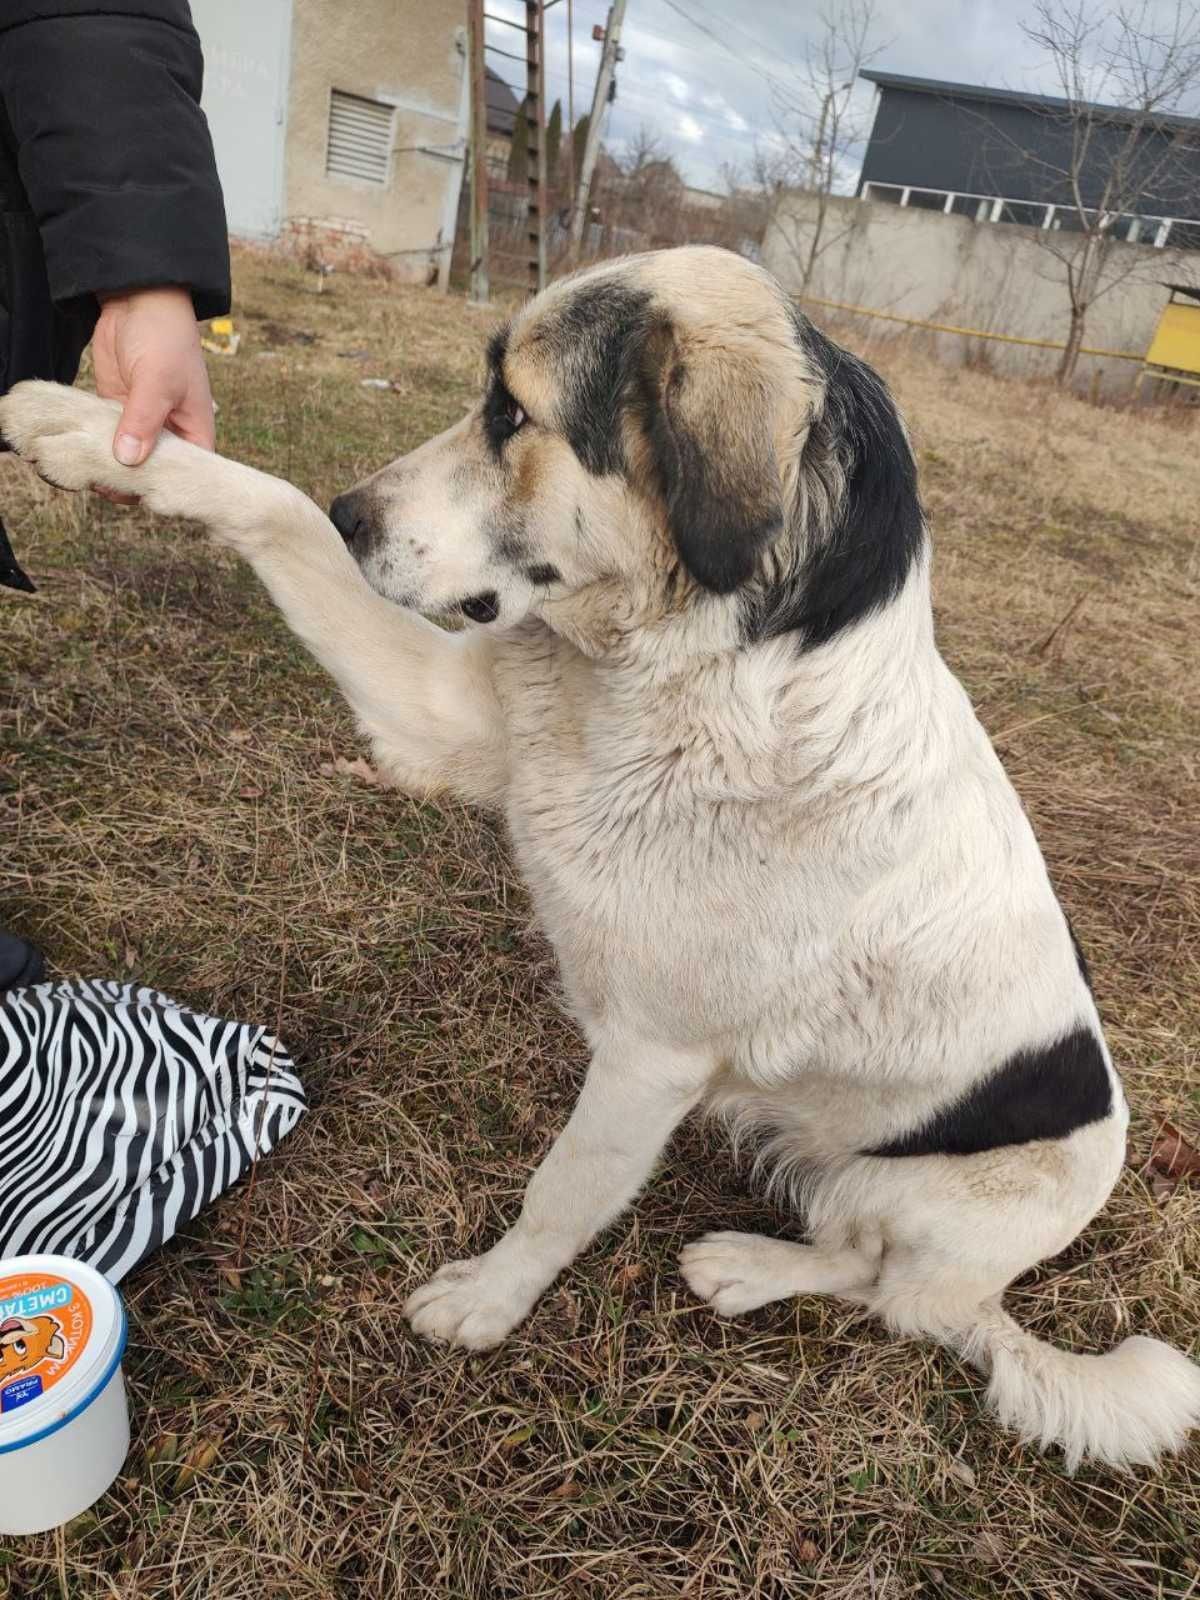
{"x":735,"y":1272}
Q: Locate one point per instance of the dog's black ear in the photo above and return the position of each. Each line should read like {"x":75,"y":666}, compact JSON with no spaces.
{"x":860,"y":560}
{"x":710,"y":421}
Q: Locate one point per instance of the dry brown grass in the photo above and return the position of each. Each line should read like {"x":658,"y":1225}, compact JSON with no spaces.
{"x":165,"y":812}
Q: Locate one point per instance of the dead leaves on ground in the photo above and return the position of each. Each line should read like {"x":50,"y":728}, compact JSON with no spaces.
{"x":174,"y":1465}
{"x":359,"y":768}
{"x":1173,"y":1160}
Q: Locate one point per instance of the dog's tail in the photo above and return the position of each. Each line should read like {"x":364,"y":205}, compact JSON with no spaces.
{"x":1127,"y":1407}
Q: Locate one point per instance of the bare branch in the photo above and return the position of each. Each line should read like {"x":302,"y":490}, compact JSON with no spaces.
{"x":816,"y":115}
{"x":1121,"y":74}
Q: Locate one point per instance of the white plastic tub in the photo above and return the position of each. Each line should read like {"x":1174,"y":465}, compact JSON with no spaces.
{"x":64,"y":1421}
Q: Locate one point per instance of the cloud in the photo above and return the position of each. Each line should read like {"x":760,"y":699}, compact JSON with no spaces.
{"x":706,"y":77}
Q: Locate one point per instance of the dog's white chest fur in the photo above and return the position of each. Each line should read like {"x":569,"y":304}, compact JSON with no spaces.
{"x":757,"y":870}
{"x":634,"y":859}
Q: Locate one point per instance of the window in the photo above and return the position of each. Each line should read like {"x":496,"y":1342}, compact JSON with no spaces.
{"x":927,"y":199}
{"x":360,"y":138}
{"x":887,"y":192}
{"x":1066,"y":219}
{"x":1026,"y":213}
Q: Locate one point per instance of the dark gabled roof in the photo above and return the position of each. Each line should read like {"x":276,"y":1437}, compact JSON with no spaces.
{"x":1017,"y":97}
{"x":502,"y":104}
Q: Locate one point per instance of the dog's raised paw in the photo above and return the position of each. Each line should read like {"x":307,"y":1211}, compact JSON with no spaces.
{"x":65,"y":433}
{"x":473,"y":1304}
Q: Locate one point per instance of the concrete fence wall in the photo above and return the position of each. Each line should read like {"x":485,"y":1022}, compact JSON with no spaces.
{"x":996,"y":277}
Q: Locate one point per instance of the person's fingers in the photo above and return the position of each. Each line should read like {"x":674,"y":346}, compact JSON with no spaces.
{"x":193,"y":418}
{"x":147,"y":408}
{"x":196,"y":426}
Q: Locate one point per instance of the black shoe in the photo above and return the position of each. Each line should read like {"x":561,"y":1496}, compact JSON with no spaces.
{"x":20,"y":963}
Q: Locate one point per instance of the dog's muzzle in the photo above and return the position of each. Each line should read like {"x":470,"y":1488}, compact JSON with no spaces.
{"x":352,"y":518}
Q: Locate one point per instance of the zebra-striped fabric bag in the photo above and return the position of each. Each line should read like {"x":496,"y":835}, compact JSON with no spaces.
{"x":123,"y":1113}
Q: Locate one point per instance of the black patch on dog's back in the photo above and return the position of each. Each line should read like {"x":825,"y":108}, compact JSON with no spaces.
{"x":861,"y":563}
{"x":598,"y":337}
{"x":1043,"y":1093}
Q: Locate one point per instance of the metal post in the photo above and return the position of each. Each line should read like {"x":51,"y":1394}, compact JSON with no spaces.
{"x":461,"y":161}
{"x":479,"y":180}
{"x":604,"y":78}
{"x":570,"y":105}
{"x":535,"y":114}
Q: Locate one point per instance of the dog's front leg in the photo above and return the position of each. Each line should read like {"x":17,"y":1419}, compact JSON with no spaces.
{"x":634,"y":1096}
{"x":423,"y":696}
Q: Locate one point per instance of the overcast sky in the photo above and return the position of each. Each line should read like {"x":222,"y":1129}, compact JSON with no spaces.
{"x":707,"y":86}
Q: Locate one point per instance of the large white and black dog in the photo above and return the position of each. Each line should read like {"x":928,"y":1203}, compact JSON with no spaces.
{"x":783,"y":871}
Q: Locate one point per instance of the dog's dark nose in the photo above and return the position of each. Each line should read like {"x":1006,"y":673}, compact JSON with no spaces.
{"x":481,"y":607}
{"x":347,"y":514}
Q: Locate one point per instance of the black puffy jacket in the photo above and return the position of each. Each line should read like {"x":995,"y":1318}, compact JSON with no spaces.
{"x":107,"y":178}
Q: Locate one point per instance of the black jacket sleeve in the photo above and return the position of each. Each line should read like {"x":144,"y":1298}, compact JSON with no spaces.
{"x":112,"y":148}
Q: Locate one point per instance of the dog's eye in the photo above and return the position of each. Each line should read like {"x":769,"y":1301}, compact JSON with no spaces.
{"x":20,"y":1348}
{"x":504,"y":416}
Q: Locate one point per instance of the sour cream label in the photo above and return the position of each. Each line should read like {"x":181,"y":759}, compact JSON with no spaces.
{"x":44,"y":1327}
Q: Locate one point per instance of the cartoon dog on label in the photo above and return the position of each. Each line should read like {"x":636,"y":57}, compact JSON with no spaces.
{"x":27,"y":1341}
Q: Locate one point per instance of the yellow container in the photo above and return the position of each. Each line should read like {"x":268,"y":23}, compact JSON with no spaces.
{"x":1176,"y":341}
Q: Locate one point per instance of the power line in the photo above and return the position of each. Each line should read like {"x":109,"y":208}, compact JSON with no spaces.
{"x":724,"y":44}
{"x":628,"y":96}
{"x":760,"y":44}
{"x":705,"y":81}
{"x":661,"y":113}
{"x":727,"y":22}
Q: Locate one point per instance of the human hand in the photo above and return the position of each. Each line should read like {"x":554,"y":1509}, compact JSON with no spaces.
{"x":146,"y":354}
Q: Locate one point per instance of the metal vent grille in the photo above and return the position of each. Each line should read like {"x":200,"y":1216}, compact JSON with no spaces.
{"x":360,"y":138}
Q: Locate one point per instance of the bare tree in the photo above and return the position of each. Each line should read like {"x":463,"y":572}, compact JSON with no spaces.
{"x":819,"y":123}
{"x":643,"y":195}
{"x":752,"y":191}
{"x":1116,"y":160}
{"x":646,"y":149}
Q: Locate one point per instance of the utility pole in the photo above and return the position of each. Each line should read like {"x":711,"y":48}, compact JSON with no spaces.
{"x":570,"y":105}
{"x":604,"y":79}
{"x":479,"y":177}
